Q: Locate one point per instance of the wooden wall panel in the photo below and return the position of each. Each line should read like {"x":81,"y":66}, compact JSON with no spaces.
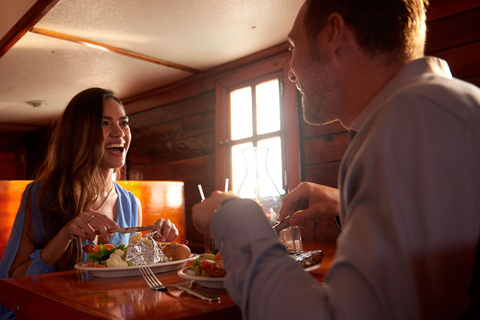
{"x":453,"y":31}
{"x":182,"y":139}
{"x":463,"y":60}
{"x":176,"y":141}
{"x":12,"y":158}
{"x":453,"y":36}
{"x":443,"y":8}
{"x":166,"y":133}
{"x":326,"y":148}
{"x":326,"y":173}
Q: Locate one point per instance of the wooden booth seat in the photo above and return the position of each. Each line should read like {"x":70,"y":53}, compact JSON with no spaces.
{"x":160,"y":199}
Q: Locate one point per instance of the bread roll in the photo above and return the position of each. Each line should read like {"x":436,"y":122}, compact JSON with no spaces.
{"x":177,"y":251}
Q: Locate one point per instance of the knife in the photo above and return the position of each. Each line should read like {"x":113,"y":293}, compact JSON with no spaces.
{"x":132,"y":229}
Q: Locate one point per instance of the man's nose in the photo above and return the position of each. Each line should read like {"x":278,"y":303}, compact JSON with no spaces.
{"x":291,"y":76}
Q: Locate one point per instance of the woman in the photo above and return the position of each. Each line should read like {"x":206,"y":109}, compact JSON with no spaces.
{"x":75,"y":200}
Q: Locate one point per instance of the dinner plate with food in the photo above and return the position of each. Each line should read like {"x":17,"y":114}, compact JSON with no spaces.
{"x":125,"y":261}
{"x":208,"y":270}
{"x":204,"y":281}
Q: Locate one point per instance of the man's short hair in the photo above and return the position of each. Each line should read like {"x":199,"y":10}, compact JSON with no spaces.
{"x":393,"y":28}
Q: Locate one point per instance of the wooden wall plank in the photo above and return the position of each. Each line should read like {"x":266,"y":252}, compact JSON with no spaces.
{"x":326,"y":148}
{"x":464,"y":60}
{"x":315,"y":131}
{"x":181,"y":130}
{"x":325,"y":173}
{"x":198,"y":167}
{"x":443,"y":8}
{"x":179,"y":109}
{"x":453,"y":31}
{"x":184,"y":139}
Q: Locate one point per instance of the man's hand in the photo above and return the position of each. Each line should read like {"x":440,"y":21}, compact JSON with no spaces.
{"x":202,"y":213}
{"x":310,"y":201}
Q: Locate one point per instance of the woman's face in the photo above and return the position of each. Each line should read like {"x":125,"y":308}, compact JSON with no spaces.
{"x":116,"y":135}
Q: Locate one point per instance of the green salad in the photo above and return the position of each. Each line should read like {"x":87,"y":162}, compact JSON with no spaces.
{"x":101,"y":253}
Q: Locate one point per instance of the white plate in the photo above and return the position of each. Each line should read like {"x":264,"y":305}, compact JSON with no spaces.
{"x":113,"y":272}
{"x":217,"y":283}
{"x":314,"y":267}
{"x":207,"y":282}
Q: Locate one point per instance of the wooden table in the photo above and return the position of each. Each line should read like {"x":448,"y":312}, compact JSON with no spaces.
{"x":78,"y":295}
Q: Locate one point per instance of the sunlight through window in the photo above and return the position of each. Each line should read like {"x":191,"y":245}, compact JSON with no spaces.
{"x":255,"y":120}
{"x":241,"y":113}
{"x":268,"y":107}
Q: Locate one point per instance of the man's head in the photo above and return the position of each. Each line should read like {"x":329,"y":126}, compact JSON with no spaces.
{"x":387,"y":32}
{"x":393,"y":28}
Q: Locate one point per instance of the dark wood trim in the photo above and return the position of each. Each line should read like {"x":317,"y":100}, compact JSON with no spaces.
{"x":279,"y":64}
{"x":221,"y":137}
{"x":29,"y":19}
{"x":102,"y":46}
{"x":292,"y":134}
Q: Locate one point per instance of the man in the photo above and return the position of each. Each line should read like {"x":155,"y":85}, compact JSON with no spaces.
{"x":409,"y":182}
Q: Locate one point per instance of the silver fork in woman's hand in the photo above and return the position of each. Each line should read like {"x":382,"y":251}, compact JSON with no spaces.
{"x":155,"y":284}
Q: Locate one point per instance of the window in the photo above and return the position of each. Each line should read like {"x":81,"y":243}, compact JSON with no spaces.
{"x":257,"y":106}
{"x":256,"y":121}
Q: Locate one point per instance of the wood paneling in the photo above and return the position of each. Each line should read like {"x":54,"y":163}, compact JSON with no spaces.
{"x":463,"y":60}
{"x":443,"y":8}
{"x":453,"y":35}
{"x":326,"y":172}
{"x":453,"y":31}
{"x":326,"y":148}
{"x":12,"y":158}
{"x":176,"y":141}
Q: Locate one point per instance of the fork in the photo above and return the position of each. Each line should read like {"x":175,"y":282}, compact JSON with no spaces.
{"x":155,"y":284}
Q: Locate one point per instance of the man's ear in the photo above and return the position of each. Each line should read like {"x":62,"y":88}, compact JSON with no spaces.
{"x":335,"y":28}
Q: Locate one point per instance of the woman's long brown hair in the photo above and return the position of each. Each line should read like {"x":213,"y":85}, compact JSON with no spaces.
{"x":70,"y":178}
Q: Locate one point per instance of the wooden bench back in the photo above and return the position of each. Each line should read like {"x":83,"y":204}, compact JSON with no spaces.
{"x":160,"y":199}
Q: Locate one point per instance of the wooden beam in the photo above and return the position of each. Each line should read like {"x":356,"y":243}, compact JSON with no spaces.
{"x":106,"y":47}
{"x":29,"y":19}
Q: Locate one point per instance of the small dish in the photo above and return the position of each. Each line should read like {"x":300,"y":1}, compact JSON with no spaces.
{"x":114,"y":272}
{"x":314,"y":267}
{"x":207,"y":282}
{"x":217,"y":282}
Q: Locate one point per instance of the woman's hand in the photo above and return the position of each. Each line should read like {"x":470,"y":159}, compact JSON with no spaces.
{"x":87,"y":225}
{"x":310,"y":201}
{"x":166,"y":230}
